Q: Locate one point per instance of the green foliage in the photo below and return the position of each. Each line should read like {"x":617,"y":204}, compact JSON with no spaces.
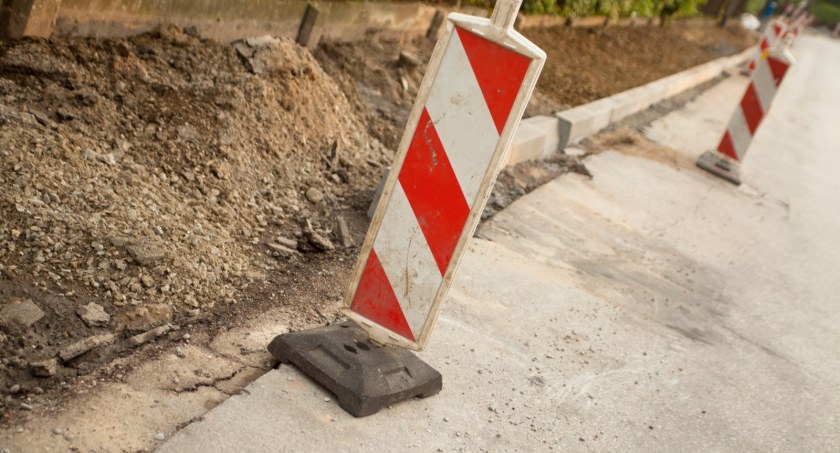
{"x":540,"y":6}
{"x":754,"y":7}
{"x":826,"y":12}
{"x":612,"y":8}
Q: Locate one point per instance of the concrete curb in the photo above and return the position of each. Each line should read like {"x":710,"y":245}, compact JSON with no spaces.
{"x":539,"y":137}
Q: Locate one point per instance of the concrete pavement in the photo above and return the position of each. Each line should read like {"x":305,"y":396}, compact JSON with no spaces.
{"x":650,"y":308}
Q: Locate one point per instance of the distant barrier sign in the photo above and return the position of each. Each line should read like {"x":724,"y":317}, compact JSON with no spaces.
{"x":480,"y":77}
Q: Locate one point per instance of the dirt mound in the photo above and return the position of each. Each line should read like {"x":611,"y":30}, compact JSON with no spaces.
{"x":380,"y":77}
{"x":157,"y":173}
{"x":585,"y":64}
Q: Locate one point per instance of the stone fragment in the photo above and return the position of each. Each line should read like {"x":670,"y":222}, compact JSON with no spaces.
{"x":286,"y":242}
{"x":344,"y":233}
{"x":141,"y":319}
{"x":93,"y":315}
{"x":20,"y":313}
{"x":80,"y":347}
{"x":314,"y":195}
{"x":150,"y":335}
{"x":107,"y":159}
{"x":146,"y":252}
{"x":408,"y":60}
{"x":282,"y":249}
{"x":44,"y":368}
{"x":316,"y":239}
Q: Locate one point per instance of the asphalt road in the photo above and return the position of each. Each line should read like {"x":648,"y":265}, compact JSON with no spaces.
{"x":651,"y":308}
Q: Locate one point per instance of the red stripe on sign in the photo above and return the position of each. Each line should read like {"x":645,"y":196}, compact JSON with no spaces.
{"x":499,"y":72}
{"x":751,"y":106}
{"x":726,"y":147}
{"x":777,"y":29}
{"x":375,"y":299}
{"x":778,"y":68}
{"x":763,"y":44}
{"x":751,"y":65}
{"x":433,"y":191}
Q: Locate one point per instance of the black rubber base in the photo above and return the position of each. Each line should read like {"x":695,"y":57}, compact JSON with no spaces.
{"x":719,"y":166}
{"x":363,"y":376}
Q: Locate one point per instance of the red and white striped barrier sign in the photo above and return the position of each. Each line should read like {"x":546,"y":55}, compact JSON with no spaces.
{"x":769,"y":72}
{"x":771,"y":38}
{"x":765,"y":81}
{"x":796,"y":29}
{"x":480,"y":77}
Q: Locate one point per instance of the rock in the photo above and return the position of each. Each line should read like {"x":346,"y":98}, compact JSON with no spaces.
{"x":179,"y":352}
{"x":408,"y":60}
{"x":147,"y":281}
{"x":58,"y":431}
{"x":142,"y":319}
{"x":150,"y":335}
{"x":107,"y":159}
{"x":93,"y":315}
{"x":160,"y":437}
{"x":146,"y":252}
{"x":344,"y":233}
{"x":14,"y":389}
{"x":41,"y":117}
{"x":286,"y":242}
{"x":80,"y":347}
{"x":21,"y":313}
{"x":262,"y":41}
{"x":44,"y":368}
{"x":318,"y":241}
{"x":314,"y":195}
{"x":282,"y":250}
{"x":243,"y":49}
{"x":574,"y":152}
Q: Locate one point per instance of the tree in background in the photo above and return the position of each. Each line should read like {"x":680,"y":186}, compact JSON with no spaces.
{"x":614,"y":9}
{"x":827,"y":12}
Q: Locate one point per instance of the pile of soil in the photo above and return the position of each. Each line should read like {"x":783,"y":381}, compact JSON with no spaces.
{"x":150,"y":180}
{"x":584,"y":64}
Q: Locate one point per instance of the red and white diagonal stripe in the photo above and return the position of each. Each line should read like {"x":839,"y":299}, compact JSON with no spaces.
{"x":764,"y":83}
{"x":439,"y":181}
{"x":770,"y":39}
{"x":798,"y":25}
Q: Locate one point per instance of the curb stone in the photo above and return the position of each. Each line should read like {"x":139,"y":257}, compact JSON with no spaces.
{"x":540,"y":136}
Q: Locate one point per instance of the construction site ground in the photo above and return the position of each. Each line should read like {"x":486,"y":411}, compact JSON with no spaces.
{"x":171,"y":203}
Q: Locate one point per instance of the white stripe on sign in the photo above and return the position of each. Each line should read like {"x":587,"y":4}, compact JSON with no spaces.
{"x":407,"y":259}
{"x":739,"y":132}
{"x":765,"y":86}
{"x":475,"y":143}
